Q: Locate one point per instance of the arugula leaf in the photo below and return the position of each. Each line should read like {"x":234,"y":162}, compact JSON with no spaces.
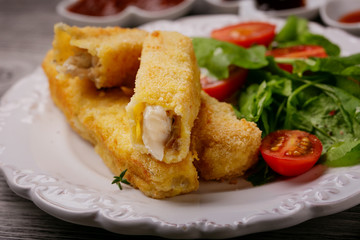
{"x":341,"y":66}
{"x":253,"y":101}
{"x":216,"y":56}
{"x":347,"y":103}
{"x":324,"y":110}
{"x":316,"y":118}
{"x":344,"y":70}
{"x":293,"y":118}
{"x":265,"y":103}
{"x":280,"y":86}
{"x":349,"y":84}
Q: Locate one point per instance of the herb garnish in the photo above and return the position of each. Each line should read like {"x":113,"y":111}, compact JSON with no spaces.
{"x":120,"y":179}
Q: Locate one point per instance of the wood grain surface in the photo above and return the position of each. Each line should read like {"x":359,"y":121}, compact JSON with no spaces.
{"x":26,"y":31}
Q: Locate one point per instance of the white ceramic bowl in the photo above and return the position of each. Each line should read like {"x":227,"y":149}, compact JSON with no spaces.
{"x":129,"y":17}
{"x":310,"y":11}
{"x":335,"y":9}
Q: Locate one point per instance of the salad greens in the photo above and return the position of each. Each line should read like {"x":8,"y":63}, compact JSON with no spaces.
{"x":296,"y":32}
{"x":321,"y":96}
{"x":216,"y":56}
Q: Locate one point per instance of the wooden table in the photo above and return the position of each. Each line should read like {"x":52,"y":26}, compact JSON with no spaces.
{"x":25,"y":36}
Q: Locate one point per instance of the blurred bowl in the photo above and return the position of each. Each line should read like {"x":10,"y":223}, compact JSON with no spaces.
{"x":216,"y":7}
{"x":131,"y":16}
{"x":309,"y":11}
{"x":333,"y":10}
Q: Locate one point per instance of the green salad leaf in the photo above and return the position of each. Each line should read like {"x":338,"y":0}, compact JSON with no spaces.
{"x":321,"y":96}
{"x":216,"y":56}
{"x":296,"y":32}
{"x":292,"y":30}
{"x":326,"y":111}
{"x":344,"y":70}
{"x":343,"y":154}
{"x":341,"y":66}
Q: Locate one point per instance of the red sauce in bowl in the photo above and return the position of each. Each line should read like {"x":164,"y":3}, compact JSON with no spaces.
{"x":111,"y":7}
{"x":352,"y":17}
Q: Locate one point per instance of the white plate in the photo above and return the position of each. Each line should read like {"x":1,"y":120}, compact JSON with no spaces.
{"x":45,"y":161}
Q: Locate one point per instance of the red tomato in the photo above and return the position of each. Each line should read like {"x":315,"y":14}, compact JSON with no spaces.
{"x":222,"y":89}
{"x":300,"y":51}
{"x":246,"y":34}
{"x":291,"y":152}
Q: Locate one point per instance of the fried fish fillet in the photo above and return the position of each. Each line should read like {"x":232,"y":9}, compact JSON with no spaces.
{"x":107,"y":56}
{"x":167,"y":97}
{"x":226,"y":146}
{"x":99,"y":116}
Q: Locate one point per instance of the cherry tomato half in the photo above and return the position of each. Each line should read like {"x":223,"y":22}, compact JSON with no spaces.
{"x":246,"y":34}
{"x":300,"y":51}
{"x":291,"y":152}
{"x":222,"y":89}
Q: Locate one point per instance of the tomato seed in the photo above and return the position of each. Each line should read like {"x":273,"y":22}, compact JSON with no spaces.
{"x":303,"y":147}
{"x":277,"y":144}
{"x":296,"y":153}
{"x":305,"y":139}
{"x":274,"y":149}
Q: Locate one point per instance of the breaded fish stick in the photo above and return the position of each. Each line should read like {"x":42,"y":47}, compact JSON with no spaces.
{"x":107,"y":56}
{"x":167,"y":97}
{"x":99,"y":116}
{"x":226,"y":146}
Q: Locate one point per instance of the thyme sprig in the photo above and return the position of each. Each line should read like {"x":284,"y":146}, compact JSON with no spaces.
{"x":120,"y":179}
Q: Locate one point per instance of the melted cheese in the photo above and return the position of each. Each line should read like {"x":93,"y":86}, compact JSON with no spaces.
{"x":156,"y":130}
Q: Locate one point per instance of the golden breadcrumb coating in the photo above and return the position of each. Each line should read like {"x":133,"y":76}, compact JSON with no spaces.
{"x":226,"y":146}
{"x":99,"y":116}
{"x":108,"y":56}
{"x":168,"y":77}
